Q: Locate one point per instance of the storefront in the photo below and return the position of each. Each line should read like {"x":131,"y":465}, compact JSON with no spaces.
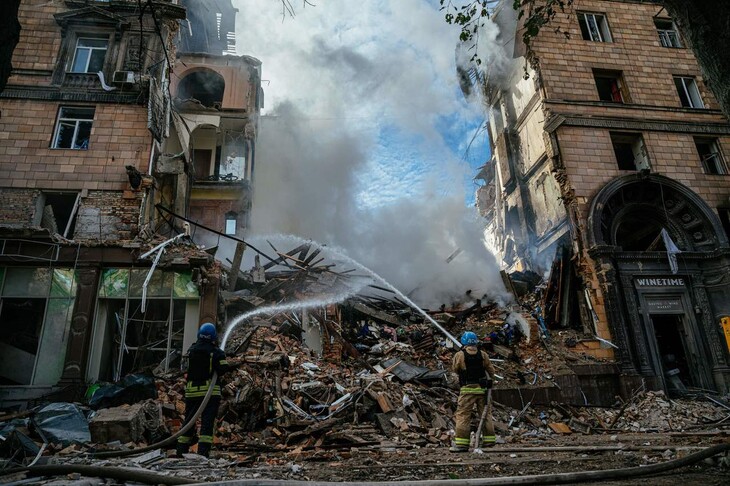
{"x":664,"y":308}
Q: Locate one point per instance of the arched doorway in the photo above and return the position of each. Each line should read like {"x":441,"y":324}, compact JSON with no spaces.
{"x":662,"y":309}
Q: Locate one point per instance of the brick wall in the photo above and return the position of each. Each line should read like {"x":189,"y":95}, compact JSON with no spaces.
{"x":119,"y":137}
{"x":17,"y":207}
{"x":566,"y":63}
{"x":40,"y":40}
{"x":108,"y":215}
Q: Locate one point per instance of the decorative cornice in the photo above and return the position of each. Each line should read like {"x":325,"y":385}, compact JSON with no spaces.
{"x":56,"y":94}
{"x":557,"y":121}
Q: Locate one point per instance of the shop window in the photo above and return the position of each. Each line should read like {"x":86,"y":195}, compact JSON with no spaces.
{"x":89,"y":55}
{"x":73,"y":128}
{"x":35,"y":315}
{"x":594,"y":27}
{"x":668,"y":34}
{"x":688,"y":92}
{"x":710,"y":156}
{"x":631,"y":153}
{"x":126,"y":338}
{"x":610,"y":86}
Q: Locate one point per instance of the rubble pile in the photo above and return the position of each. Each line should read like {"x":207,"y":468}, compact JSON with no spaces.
{"x":378,"y":381}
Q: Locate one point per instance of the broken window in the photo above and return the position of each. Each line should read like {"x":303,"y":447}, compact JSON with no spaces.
{"x":89,"y":55}
{"x":232,"y":162}
{"x":594,"y":27}
{"x":710,"y":156}
{"x":631,"y":153}
{"x":688,"y":92}
{"x":668,"y":35}
{"x":205,"y":86}
{"x":35,"y":314}
{"x":126,"y":338}
{"x":610,"y":86}
{"x":231,"y":222}
{"x":73,"y":128}
{"x":59,"y":212}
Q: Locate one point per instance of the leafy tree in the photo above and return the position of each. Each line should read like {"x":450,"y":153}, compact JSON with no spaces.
{"x":704,"y":23}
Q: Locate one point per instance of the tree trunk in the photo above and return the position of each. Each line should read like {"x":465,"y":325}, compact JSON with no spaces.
{"x":705,"y":24}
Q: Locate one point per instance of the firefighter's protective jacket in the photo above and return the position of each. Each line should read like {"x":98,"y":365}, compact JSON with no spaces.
{"x":204,"y":358}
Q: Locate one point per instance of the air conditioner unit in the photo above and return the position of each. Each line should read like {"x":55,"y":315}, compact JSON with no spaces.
{"x":123,"y":77}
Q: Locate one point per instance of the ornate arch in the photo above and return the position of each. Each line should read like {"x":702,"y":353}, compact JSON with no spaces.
{"x":661,"y":202}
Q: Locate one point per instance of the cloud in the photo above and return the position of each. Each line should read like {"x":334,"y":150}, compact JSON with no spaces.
{"x":362,"y":140}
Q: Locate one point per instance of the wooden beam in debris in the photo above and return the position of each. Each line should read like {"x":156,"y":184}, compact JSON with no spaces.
{"x":377,"y":314}
{"x":281,"y":260}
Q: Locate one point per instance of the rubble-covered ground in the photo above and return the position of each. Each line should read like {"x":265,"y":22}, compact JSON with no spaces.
{"x":376,"y":404}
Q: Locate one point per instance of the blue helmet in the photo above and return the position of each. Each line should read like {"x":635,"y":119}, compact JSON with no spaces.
{"x":207,"y":331}
{"x":469,"y":339}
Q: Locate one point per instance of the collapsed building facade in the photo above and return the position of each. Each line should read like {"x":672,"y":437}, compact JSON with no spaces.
{"x":123,"y":128}
{"x":609,"y":172}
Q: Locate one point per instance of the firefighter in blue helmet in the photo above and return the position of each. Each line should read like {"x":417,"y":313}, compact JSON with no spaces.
{"x":475,"y":377}
{"x":204,"y":358}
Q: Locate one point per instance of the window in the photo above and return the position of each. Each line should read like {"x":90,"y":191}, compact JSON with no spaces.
{"x":688,"y":92}
{"x":630,"y":151}
{"x":710,"y":156}
{"x":89,"y":55}
{"x":610,"y":86}
{"x":36,"y":306}
{"x":59,"y":212}
{"x":73,"y":128}
{"x":128,"y":339}
{"x":594,"y":27}
{"x":231,"y":219}
{"x":668,"y":35}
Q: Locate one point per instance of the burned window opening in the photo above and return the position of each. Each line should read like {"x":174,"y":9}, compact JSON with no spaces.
{"x":59,"y":212}
{"x":630,"y":151}
{"x":610,"y":86}
{"x":207,"y":87}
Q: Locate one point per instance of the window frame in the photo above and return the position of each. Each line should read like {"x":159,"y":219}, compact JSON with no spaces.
{"x":52,"y":295}
{"x":637,"y":144}
{"x":230,"y":217}
{"x":667,"y":34}
{"x":687,"y":94}
{"x":602,"y":28}
{"x":84,"y":36}
{"x":77,"y":121}
{"x":618,"y":76}
{"x":716,"y":153}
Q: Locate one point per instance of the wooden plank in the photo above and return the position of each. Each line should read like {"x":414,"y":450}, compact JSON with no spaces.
{"x":560,"y":428}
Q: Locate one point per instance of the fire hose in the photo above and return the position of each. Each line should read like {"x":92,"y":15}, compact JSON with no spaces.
{"x":556,"y":478}
{"x":163,"y":443}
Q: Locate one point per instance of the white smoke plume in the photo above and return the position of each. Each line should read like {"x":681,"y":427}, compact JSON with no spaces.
{"x":357,"y":146}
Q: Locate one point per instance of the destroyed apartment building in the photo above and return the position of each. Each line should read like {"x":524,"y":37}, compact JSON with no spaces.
{"x":610,"y":173}
{"x":126,"y":127}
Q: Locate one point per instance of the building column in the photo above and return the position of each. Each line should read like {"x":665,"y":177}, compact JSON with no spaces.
{"x":81,"y":325}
